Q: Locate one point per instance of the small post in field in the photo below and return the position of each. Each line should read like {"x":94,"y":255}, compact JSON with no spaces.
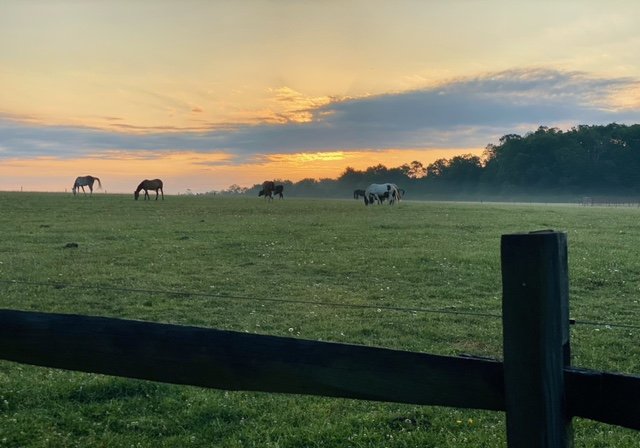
{"x":535,"y":313}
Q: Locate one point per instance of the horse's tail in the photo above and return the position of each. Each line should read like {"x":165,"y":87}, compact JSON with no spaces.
{"x":394,"y":194}
{"x":366,"y":195}
{"x":99,"y":184}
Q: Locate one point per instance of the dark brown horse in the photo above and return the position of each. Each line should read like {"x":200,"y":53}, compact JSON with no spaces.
{"x":146,"y":185}
{"x":85,"y":181}
{"x":268,"y":187}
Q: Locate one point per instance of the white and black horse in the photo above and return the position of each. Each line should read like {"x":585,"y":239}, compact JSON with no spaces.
{"x":379,"y":192}
{"x":85,"y":181}
{"x":401,"y":194}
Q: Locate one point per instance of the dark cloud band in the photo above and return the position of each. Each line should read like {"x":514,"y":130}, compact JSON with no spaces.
{"x":461,"y":113}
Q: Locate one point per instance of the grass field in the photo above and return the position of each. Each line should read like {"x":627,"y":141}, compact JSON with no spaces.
{"x":282,"y":268}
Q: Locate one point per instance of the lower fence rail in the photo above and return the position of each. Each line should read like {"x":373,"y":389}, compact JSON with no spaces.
{"x":239,"y":361}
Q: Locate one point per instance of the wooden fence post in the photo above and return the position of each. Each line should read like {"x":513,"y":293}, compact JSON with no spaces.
{"x":535,"y":313}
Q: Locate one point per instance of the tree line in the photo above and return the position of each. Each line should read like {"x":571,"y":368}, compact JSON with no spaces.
{"x":599,"y":160}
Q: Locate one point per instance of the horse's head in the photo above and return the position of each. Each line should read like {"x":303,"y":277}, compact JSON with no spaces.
{"x":261,"y":193}
{"x":136,"y":194}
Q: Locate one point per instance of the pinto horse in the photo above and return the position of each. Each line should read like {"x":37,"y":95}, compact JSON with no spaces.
{"x":85,"y":181}
{"x":385,"y":196}
{"x":378,"y":192}
{"x":146,"y":185}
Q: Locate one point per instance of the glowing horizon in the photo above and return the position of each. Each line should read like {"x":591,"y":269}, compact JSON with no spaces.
{"x":200,"y":173}
{"x":209,"y":94}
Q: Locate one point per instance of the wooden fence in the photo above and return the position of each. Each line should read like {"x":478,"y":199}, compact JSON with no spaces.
{"x":535,"y":384}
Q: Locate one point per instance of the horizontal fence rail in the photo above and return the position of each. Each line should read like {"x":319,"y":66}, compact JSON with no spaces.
{"x":238,"y":361}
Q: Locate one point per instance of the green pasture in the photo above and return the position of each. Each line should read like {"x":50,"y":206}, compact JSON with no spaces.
{"x":415,"y":276}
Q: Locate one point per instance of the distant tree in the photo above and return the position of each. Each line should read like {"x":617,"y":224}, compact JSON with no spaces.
{"x":583,"y":160}
{"x":235,"y":189}
{"x":414,"y":170}
{"x":351,"y":178}
{"x":466,"y":169}
{"x":437,"y":168}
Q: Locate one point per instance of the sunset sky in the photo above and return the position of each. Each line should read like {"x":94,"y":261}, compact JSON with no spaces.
{"x":205,"y":94}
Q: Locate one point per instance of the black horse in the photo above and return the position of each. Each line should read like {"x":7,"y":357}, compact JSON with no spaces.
{"x":358,"y":194}
{"x":269,"y":188}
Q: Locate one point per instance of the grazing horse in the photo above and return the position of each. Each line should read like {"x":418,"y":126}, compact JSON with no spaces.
{"x":358,"y":193}
{"x":278,"y":191}
{"x":400,"y":194}
{"x":85,"y":181}
{"x":377,"y":192}
{"x":146,"y":185}
{"x":268,"y":188}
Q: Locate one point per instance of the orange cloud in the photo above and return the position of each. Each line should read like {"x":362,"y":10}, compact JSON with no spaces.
{"x":288,"y":105}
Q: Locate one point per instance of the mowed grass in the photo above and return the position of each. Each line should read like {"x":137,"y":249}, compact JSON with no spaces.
{"x":316,"y":269}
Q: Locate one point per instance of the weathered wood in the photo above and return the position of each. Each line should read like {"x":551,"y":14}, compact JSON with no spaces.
{"x":239,"y":361}
{"x":536,"y":339}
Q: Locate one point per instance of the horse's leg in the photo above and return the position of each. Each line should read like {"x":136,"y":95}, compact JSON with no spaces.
{"x":156,"y":194}
{"x":146,"y":195}
{"x":162,"y":192}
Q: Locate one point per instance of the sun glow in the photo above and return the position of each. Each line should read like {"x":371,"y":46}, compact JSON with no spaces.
{"x":121,"y":171}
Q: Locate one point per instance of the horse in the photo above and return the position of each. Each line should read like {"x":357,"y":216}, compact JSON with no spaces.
{"x":358,"y":193}
{"x":146,"y":185}
{"x":85,"y":181}
{"x":278,"y":191}
{"x":268,"y":187}
{"x":376,"y":192}
{"x":385,"y":196}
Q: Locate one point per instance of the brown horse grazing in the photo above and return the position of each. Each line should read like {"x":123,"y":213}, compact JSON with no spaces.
{"x":268,"y":188}
{"x":146,"y":185}
{"x":85,"y":181}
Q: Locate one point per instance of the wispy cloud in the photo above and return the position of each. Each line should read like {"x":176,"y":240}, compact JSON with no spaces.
{"x":467,"y":112}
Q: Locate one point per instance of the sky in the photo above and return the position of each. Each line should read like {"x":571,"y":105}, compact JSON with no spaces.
{"x":206,"y":94}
